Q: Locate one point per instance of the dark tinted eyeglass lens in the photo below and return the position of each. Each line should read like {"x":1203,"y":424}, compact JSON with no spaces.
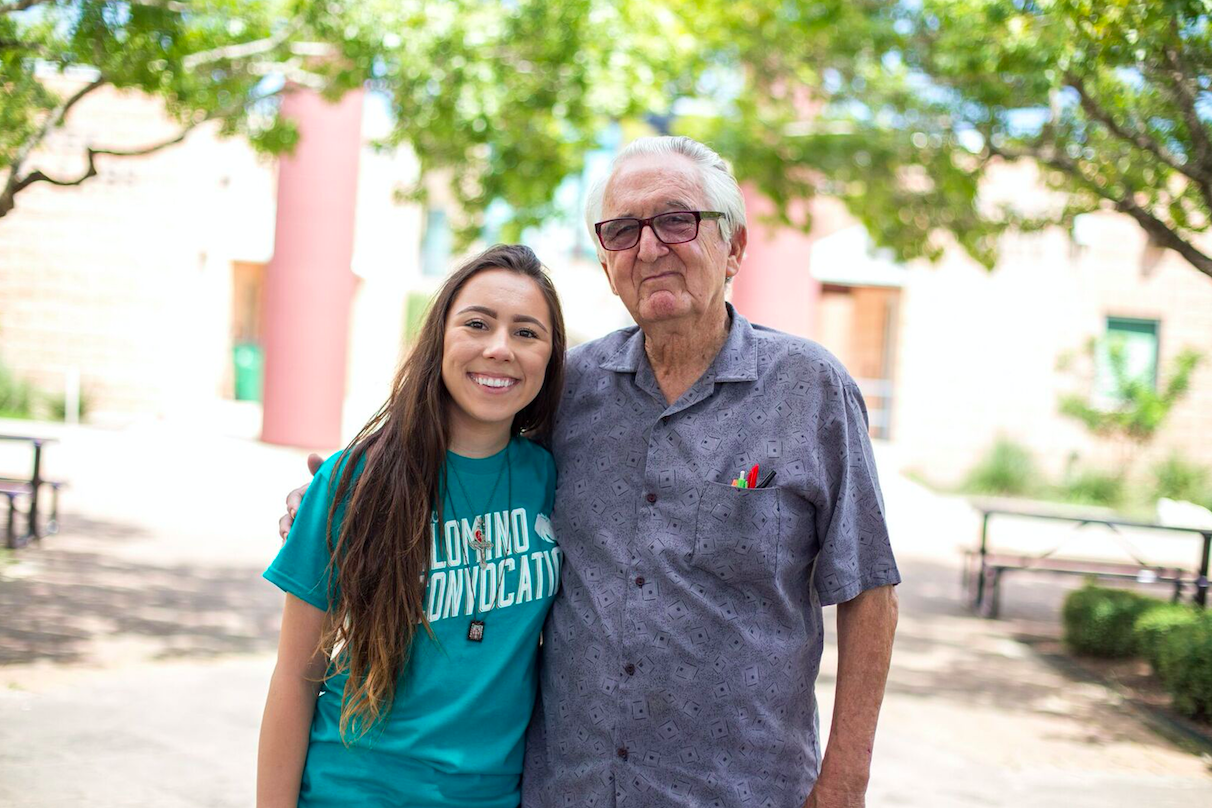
{"x":676,"y":227}
{"x":620,"y":234}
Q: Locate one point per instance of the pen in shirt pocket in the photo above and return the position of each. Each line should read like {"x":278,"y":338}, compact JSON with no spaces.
{"x":750,"y":480}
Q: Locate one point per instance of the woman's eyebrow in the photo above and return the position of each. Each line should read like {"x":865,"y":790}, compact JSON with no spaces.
{"x":481,"y":309}
{"x":526,"y":318}
{"x":517,"y":318}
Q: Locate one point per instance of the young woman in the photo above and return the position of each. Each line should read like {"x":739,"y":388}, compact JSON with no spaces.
{"x":421,"y":565}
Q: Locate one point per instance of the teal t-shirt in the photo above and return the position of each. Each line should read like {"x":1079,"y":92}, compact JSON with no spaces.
{"x":454,"y":735}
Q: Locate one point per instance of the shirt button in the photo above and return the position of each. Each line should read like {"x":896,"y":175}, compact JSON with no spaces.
{"x":639,"y":581}
{"x":629,"y":669}
{"x":651,"y":498}
{"x":622,"y":752}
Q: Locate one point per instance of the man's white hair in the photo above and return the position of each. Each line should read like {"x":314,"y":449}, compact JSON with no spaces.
{"x":719,"y":186}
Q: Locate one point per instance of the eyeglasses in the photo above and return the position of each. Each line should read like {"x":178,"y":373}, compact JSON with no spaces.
{"x":674,"y":227}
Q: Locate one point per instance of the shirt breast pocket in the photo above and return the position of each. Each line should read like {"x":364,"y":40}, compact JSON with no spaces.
{"x":736,"y":536}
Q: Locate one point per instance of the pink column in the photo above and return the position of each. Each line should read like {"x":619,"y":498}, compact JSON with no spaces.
{"x":308,"y":283}
{"x":774,"y":287}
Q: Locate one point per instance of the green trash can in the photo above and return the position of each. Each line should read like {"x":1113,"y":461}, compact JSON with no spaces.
{"x":249,"y":362}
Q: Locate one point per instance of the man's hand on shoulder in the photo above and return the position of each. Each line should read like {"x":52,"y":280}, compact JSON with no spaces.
{"x":295,"y":498}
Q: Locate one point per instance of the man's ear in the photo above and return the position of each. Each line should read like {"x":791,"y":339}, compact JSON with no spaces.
{"x":609,"y":280}
{"x":736,"y":251}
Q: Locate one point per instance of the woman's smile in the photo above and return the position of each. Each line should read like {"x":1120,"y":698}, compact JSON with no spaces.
{"x":493,"y":384}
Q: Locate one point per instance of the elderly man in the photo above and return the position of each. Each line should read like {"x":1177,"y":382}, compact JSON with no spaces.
{"x":680,"y":658}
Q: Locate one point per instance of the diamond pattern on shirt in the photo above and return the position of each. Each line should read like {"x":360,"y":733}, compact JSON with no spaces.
{"x":679,"y":661}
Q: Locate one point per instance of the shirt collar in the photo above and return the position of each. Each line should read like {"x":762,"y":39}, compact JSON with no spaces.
{"x":628,"y":357}
{"x":735,"y":362}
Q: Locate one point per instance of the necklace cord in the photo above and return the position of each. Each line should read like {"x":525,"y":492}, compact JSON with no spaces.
{"x":506,"y":466}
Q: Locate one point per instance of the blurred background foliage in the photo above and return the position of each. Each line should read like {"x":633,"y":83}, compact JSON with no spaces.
{"x":1136,"y":406}
{"x":1128,"y":414}
{"x":900,"y":109}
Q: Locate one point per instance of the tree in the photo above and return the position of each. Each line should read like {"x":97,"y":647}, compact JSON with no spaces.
{"x":210,"y":60}
{"x":900,"y":109}
{"x":510,"y":96}
{"x":507,"y":95}
{"x":910,"y":104}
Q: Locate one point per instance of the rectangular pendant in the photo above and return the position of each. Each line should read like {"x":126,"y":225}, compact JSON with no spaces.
{"x":475,"y":632}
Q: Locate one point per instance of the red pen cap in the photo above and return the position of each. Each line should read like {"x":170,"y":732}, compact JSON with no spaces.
{"x":753,"y":473}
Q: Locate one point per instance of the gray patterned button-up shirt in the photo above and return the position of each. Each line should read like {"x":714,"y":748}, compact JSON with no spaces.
{"x":679,"y":659}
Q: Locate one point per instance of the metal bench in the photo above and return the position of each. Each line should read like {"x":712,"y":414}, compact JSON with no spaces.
{"x":984,"y":568}
{"x":30,"y":488}
{"x":13,"y":489}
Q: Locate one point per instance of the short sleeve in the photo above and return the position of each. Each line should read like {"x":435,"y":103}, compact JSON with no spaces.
{"x":301,"y":567}
{"x":855,"y":553}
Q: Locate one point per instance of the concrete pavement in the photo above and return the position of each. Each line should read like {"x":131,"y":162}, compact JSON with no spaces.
{"x":136,"y":646}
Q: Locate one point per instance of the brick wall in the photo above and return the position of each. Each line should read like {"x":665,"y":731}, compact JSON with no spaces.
{"x":978,"y":351}
{"x":127,"y":278}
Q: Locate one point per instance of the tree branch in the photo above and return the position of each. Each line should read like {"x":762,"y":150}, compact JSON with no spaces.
{"x":14,"y":186}
{"x":1160,"y":232}
{"x":37,"y":176}
{"x":292,"y":71}
{"x":16,"y":44}
{"x":155,"y":147}
{"x":20,"y":5}
{"x":242,"y":50}
{"x":1202,"y":178}
{"x":1163,"y":235}
{"x":91,"y":154}
{"x":54,"y":119}
{"x":1186,"y":100}
{"x":171,"y":5}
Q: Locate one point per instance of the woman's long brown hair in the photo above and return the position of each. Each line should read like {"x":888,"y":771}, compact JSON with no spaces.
{"x":380,"y":558}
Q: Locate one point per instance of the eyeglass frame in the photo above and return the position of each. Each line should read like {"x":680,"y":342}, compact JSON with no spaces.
{"x":699,"y":215}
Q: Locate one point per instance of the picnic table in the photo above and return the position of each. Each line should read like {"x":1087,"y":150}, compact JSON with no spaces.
{"x":985,"y":567}
{"x":30,"y":488}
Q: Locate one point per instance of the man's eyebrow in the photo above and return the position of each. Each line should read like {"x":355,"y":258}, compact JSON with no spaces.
{"x":517,"y":318}
{"x":668,"y":204}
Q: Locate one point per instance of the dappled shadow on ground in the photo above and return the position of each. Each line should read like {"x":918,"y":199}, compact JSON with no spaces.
{"x":62,"y":605}
{"x":945,"y":652}
{"x":75,"y":602}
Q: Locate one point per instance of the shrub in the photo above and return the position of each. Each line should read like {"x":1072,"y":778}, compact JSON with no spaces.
{"x":1176,"y":639}
{"x":1007,"y":469}
{"x":1093,"y":488}
{"x":16,"y":396}
{"x":1156,"y":624}
{"x":1185,"y":667}
{"x":1175,"y":478}
{"x":20,"y":399}
{"x":1099,"y":621}
{"x":56,"y":407}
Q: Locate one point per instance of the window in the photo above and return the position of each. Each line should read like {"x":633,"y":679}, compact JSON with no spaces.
{"x":436,"y":243}
{"x":1129,"y":350}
